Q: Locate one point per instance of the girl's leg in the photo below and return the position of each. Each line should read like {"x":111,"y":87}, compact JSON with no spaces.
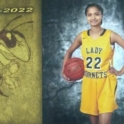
{"x":93,"y":119}
{"x":105,"y":118}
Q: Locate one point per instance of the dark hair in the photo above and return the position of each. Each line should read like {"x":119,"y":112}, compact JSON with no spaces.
{"x":94,"y":5}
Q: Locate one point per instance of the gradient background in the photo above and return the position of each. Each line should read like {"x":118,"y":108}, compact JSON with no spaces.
{"x":62,"y":21}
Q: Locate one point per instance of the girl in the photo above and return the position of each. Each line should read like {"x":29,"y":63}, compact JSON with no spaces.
{"x":99,"y":81}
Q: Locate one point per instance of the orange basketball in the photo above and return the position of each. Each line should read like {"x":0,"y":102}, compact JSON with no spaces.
{"x":74,"y":68}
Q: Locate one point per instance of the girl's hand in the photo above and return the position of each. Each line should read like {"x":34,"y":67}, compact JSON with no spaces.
{"x":66,"y":78}
{"x":116,"y":72}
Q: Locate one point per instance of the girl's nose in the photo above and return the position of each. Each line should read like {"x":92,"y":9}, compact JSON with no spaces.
{"x":93,"y":17}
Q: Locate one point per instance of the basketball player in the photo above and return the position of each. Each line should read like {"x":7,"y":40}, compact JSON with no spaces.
{"x":99,"y":81}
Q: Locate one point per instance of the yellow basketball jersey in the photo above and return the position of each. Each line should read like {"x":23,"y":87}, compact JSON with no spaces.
{"x":97,"y":53}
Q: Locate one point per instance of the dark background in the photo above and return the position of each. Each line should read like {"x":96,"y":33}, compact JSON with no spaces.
{"x":62,"y":21}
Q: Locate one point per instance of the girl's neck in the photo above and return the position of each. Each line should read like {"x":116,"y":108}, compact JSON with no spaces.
{"x":96,"y":30}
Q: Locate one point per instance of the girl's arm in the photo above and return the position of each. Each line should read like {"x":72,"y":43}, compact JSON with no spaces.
{"x":115,"y":38}
{"x":77,"y":43}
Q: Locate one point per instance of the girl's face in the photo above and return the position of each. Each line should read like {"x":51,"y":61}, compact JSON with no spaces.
{"x":94,"y":16}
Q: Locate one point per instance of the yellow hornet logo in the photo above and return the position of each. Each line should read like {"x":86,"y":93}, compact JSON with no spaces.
{"x":13,"y":47}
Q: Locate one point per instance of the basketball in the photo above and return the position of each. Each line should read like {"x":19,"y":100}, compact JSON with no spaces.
{"x":74,"y":68}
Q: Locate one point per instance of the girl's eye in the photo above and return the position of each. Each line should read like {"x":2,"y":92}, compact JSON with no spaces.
{"x":88,"y":14}
{"x":97,"y":14}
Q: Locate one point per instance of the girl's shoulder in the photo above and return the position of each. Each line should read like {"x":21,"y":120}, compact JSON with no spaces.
{"x":110,"y":31}
{"x":84,"y":33}
{"x":107,"y":31}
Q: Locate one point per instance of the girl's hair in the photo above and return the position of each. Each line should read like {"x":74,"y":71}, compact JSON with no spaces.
{"x":94,"y":5}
